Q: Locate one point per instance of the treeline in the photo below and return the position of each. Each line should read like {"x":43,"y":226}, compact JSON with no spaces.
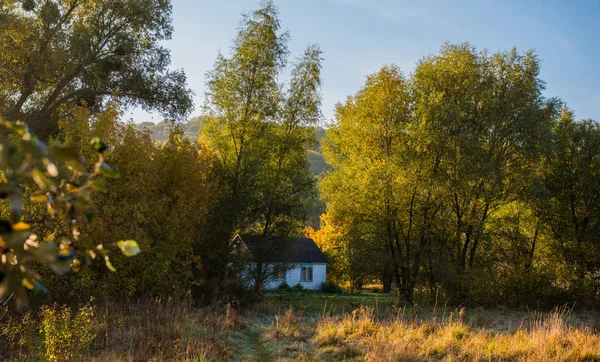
{"x":181,"y":198}
{"x":463,"y":182}
{"x":192,"y":129}
{"x":459,"y":181}
{"x":160,"y":131}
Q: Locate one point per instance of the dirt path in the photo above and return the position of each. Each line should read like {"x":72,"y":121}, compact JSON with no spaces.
{"x":262,"y":351}
{"x":250,"y":344}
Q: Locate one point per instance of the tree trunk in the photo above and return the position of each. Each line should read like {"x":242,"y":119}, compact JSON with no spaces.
{"x":258,"y":283}
{"x":386,"y":279}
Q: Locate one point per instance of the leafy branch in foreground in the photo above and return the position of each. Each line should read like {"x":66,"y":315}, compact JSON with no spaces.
{"x":56,"y":179}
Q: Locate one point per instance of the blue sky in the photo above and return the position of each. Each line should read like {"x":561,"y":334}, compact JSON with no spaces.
{"x":359,"y":36}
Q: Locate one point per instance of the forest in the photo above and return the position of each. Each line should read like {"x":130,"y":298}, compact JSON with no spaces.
{"x":457,"y":185}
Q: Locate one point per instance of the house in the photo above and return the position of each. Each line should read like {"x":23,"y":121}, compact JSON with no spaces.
{"x":291,"y":260}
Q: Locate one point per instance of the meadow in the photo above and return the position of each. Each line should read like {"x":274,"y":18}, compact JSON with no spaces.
{"x":300,"y":327}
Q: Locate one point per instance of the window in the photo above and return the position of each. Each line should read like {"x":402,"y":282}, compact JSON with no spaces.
{"x":279,"y":273}
{"x":307,"y":274}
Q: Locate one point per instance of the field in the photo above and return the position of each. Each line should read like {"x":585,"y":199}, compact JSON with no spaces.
{"x":301,"y":327}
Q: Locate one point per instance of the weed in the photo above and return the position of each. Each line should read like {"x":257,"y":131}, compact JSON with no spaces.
{"x":66,"y":337}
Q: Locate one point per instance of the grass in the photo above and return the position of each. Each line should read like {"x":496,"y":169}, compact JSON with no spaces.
{"x":319,"y":303}
{"x":310,"y":327}
{"x":539,"y":337}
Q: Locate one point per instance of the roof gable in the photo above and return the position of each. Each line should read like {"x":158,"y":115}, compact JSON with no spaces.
{"x":277,"y":249}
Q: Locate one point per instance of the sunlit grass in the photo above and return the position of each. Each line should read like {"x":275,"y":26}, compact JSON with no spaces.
{"x":541,"y":337}
{"x":274,"y":331}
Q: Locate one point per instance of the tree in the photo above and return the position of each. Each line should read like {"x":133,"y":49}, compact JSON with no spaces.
{"x":261,"y":131}
{"x":162,"y":199}
{"x":351,"y":255}
{"x":567,"y":199}
{"x":423,"y":164}
{"x":242,"y":96}
{"x":380,"y":188}
{"x":58,"y":180}
{"x":56,"y":54}
{"x":487,"y":115}
{"x":518,"y":257}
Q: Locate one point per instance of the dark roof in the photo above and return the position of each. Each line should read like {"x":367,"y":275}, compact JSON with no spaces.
{"x":284,"y":249}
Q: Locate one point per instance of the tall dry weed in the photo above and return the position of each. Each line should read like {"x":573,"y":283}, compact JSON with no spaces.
{"x":545,"y":337}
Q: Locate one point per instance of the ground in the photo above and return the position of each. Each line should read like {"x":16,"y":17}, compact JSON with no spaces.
{"x":301,"y":327}
{"x":282,"y":327}
{"x":319,"y":327}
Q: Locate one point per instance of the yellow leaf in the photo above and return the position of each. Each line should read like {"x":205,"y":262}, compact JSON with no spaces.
{"x":28,"y":284}
{"x":76,"y":265}
{"x":20,"y":226}
{"x":109,"y":264}
{"x":129,"y":247}
{"x":39,"y":198}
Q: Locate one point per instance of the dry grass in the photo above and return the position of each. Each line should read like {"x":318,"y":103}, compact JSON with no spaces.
{"x":145,"y":331}
{"x":540,"y":337}
{"x":174,"y":331}
{"x":163,"y":331}
{"x":288,"y":336}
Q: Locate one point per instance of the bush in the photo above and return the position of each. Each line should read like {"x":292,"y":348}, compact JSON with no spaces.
{"x":298,"y":288}
{"x":18,"y":336}
{"x":49,"y":183}
{"x":330,"y":287}
{"x":285,"y":287}
{"x":65,"y":337}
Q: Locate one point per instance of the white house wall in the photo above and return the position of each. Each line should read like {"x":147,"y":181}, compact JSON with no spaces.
{"x":294,"y":276}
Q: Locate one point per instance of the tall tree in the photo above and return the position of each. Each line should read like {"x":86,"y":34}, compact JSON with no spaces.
{"x":568,"y":198}
{"x":67,"y":52}
{"x":286,"y":181}
{"x":487,"y":114}
{"x":423,"y":164}
{"x":380,"y":186}
{"x":261,"y":131}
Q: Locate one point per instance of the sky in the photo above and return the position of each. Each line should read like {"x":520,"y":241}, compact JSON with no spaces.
{"x":358,"y":37}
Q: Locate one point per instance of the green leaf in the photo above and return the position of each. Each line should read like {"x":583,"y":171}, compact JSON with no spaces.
{"x":40,"y":290}
{"x":65,"y":153}
{"x":69,"y":156}
{"x":98,"y":184}
{"x":90,"y":214}
{"x":17,"y":127}
{"x":34,"y":147}
{"x":42,"y":181}
{"x":129,"y":247}
{"x":108,"y":171}
{"x":60,"y":266}
{"x":98,"y":144}
{"x":82,"y":202}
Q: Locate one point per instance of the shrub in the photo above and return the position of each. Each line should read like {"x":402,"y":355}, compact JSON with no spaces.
{"x":48,"y":183}
{"x":330,"y":287}
{"x":18,"y":336}
{"x":285,"y":287}
{"x":66,"y":337}
{"x":298,"y":288}
{"x":158,"y":330}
